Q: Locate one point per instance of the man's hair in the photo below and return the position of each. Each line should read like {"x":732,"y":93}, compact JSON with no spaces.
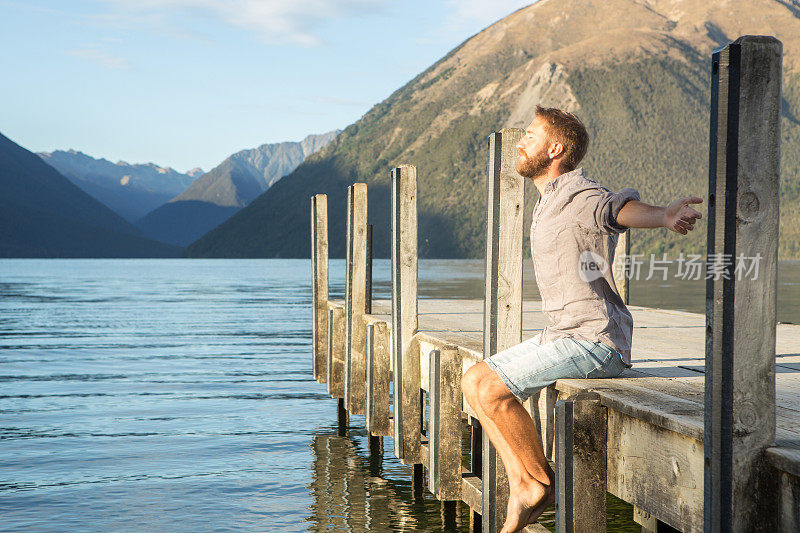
{"x":567,"y":129}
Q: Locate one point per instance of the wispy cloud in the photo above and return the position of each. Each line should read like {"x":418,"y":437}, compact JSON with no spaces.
{"x":471,"y":13}
{"x":95,"y":53}
{"x":273,"y":21}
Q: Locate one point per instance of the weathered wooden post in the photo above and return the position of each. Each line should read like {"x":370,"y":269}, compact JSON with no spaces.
{"x":319,"y":287}
{"x":375,"y":439}
{"x":355,"y":299}
{"x":503,"y":298}
{"x":368,"y":273}
{"x":475,"y":498}
{"x":407,"y":415}
{"x":378,"y":400}
{"x":621,"y":268}
{"x":335,"y":366}
{"x":741,"y":310}
{"x":581,"y":432}
{"x":444,"y":430}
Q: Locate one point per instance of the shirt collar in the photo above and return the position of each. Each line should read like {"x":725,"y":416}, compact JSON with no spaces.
{"x":554,"y":183}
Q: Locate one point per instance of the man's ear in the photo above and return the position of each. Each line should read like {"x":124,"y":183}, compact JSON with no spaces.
{"x":556,"y":150}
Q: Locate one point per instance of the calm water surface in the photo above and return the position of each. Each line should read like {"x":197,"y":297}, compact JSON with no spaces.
{"x":176,"y":395}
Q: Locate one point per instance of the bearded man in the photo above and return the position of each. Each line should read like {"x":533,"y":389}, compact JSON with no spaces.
{"x":574,"y":232}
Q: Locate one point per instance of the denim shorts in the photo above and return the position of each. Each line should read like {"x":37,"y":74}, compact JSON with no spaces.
{"x":529,"y":366}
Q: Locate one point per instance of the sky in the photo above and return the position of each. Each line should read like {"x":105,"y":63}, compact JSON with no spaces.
{"x":186,"y":83}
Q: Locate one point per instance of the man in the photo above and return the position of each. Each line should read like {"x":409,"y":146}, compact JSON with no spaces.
{"x":574,"y":233}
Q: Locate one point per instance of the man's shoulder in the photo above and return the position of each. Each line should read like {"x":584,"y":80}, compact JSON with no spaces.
{"x":582,"y":184}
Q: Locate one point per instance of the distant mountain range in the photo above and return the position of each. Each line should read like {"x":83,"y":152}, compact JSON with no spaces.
{"x":43,"y":214}
{"x":132,"y":191}
{"x":637,"y":73}
{"x":226,"y":189}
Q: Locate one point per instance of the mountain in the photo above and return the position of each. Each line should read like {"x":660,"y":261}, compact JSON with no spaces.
{"x":636,"y":71}
{"x":132,"y":191}
{"x":195,"y":173}
{"x":43,"y":214}
{"x":223,"y":191}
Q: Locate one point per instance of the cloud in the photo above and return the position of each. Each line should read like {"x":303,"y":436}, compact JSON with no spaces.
{"x":274,"y":21}
{"x":94,"y":53}
{"x":469,"y":13}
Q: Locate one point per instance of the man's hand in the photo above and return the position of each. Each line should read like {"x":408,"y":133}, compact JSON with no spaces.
{"x":679,"y":217}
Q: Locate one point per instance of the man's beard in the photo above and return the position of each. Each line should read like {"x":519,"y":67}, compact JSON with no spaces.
{"x":534,"y":166}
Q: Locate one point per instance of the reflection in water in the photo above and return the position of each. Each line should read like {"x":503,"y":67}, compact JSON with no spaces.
{"x":355,"y":492}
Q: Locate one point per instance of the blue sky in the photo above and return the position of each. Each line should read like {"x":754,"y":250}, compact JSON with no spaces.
{"x":185,"y":83}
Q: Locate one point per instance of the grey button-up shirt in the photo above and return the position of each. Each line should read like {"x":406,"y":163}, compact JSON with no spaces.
{"x":574,"y":235}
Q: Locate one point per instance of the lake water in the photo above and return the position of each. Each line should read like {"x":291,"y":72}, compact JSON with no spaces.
{"x":176,"y":395}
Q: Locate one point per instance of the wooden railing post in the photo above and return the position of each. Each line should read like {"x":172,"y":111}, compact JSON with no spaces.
{"x":378,"y":416}
{"x":503,"y":298}
{"x":444,"y":430}
{"x":355,"y":299}
{"x":621,"y":268}
{"x":581,"y":432}
{"x":407,"y":413}
{"x":319,"y":285}
{"x":744,"y":172}
{"x":336,"y":352}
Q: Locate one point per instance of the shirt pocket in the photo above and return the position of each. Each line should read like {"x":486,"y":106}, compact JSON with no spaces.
{"x":549,"y":277}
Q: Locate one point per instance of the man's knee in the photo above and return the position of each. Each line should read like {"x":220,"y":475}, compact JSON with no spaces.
{"x":470,"y":381}
{"x":494,"y":395}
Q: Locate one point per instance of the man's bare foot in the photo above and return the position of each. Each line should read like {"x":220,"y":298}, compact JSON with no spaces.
{"x":526,"y":504}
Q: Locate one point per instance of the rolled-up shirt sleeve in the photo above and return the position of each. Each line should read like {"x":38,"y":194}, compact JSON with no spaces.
{"x":603,"y":206}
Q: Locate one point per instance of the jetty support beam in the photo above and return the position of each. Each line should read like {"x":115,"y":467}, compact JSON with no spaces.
{"x":319,"y":284}
{"x":378,"y":419}
{"x":581,"y":475}
{"x":335,"y":363}
{"x":405,"y":353}
{"x":744,"y":171}
{"x":502,"y":326}
{"x":621,"y":269}
{"x":355,"y":299}
{"x":444,"y":430}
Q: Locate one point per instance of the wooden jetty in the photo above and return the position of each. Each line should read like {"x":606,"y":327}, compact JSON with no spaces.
{"x":702,"y":434}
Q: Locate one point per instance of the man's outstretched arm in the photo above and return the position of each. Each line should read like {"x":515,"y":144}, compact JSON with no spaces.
{"x":677,"y":216}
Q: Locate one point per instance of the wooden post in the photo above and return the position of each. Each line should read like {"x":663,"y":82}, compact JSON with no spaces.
{"x":434,"y":429}
{"x":741,"y":310}
{"x":564,"y":501}
{"x":375,"y":440}
{"x":368,"y":274}
{"x":581,"y":433}
{"x":407,"y":413}
{"x":319,"y":285}
{"x":336,"y":335}
{"x":444,"y":430}
{"x":476,"y":469}
{"x":621,"y":268}
{"x":355,"y":300}
{"x":378,"y":413}
{"x":343,"y":418}
{"x":503,"y":298}
{"x":542,"y":407}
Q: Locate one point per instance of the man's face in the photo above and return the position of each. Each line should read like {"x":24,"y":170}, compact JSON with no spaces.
{"x":533,"y":159}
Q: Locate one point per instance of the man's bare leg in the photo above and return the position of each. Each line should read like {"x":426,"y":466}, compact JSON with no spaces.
{"x":513,"y":433}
